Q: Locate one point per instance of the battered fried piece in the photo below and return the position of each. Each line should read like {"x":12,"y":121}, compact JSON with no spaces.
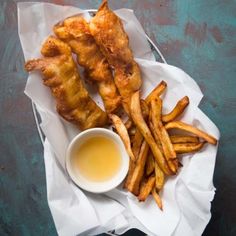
{"x":75,"y":31}
{"x":108,"y":31}
{"x":61,"y":75}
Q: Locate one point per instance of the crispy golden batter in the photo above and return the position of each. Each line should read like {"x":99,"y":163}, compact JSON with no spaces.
{"x":61,"y":75}
{"x":108,"y":31}
{"x":75,"y":31}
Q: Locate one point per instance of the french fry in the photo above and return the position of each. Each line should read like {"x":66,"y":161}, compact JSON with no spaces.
{"x":160,"y":88}
{"x":132,"y":131}
{"x":158,"y":119}
{"x":156,"y":137}
{"x":162,"y":158}
{"x":128,"y":124}
{"x":145,"y":112}
{"x":150,"y":164}
{"x":181,"y":148}
{"x":186,"y":127}
{"x":144,"y":109}
{"x":183,"y":139}
{"x":138,"y":171}
{"x":160,"y":177}
{"x":142,"y":126}
{"x":177,"y":111}
{"x":123,"y":133}
{"x":157,"y":199}
{"x":163,"y":136}
{"x":130,"y":173}
{"x":168,"y":149}
{"x":156,"y":109}
{"x":146,"y":188}
{"x":138,"y":137}
{"x":137,"y":142}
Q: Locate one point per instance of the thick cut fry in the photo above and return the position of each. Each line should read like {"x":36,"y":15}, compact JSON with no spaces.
{"x":146,"y":188}
{"x":183,"y":139}
{"x":177,"y":111}
{"x":123,"y":133}
{"x":138,"y":172}
{"x":137,"y":142}
{"x":145,"y":112}
{"x":130,"y":174}
{"x":156,"y":92}
{"x":181,"y":148}
{"x":183,"y":126}
{"x":62,"y":77}
{"x":156,"y":137}
{"x":132,"y":131}
{"x":168,"y":149}
{"x":160,"y":177}
{"x":158,"y":119}
{"x":142,"y":126}
{"x":157,"y":199}
{"x":128,"y":124}
{"x":150,"y":164}
{"x":138,"y":137}
{"x":107,"y":29}
{"x":144,"y":109}
{"x":75,"y":32}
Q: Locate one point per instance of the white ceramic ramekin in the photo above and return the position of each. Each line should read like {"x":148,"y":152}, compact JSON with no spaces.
{"x":80,"y":180}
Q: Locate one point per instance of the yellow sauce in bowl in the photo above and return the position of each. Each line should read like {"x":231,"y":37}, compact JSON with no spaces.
{"x":97,"y":159}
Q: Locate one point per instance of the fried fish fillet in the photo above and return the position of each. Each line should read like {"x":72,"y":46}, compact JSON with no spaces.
{"x":62,"y":77}
{"x":107,"y":29}
{"x":75,"y":31}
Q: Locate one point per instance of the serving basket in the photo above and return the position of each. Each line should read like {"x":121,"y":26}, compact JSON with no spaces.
{"x":158,"y":56}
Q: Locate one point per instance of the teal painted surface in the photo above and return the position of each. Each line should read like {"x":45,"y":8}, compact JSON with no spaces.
{"x":197,"y":36}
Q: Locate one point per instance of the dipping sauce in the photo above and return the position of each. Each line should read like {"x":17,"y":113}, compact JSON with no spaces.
{"x":97,"y":159}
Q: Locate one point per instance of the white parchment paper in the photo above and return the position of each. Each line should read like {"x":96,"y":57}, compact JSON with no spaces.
{"x":186,"y":197}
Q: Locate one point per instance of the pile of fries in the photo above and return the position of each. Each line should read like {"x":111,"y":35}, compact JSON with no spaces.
{"x":152,"y":149}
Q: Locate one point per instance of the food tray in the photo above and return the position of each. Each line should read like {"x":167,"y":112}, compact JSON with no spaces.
{"x":158,"y":56}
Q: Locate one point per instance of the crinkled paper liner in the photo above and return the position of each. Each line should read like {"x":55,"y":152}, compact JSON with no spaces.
{"x":186,"y":197}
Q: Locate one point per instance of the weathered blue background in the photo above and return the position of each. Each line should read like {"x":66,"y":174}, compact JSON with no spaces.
{"x":197,"y":35}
